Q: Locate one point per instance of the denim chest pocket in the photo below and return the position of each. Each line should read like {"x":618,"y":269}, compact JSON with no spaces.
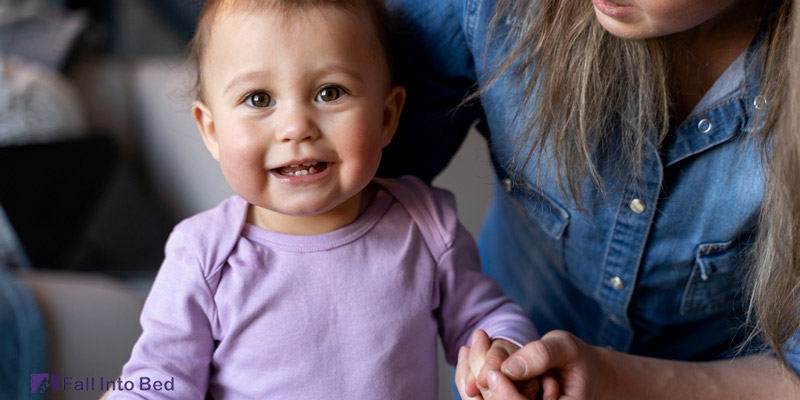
{"x":716,"y":279}
{"x":549,"y":215}
{"x":546,"y":222}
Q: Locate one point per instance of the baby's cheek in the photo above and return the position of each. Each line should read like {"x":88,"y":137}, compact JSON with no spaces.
{"x":365,"y":156}
{"x":245,"y":176}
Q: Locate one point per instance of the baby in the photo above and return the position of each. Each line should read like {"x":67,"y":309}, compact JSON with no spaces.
{"x":317,"y":280}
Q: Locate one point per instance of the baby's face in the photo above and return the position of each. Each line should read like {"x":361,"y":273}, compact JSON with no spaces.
{"x":298,"y":107}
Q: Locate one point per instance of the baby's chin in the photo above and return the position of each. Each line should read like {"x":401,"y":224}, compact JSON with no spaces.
{"x":309,"y":205}
{"x":310,"y":209}
{"x":302,"y":219}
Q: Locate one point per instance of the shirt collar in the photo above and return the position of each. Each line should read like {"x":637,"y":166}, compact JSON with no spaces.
{"x":733,"y":105}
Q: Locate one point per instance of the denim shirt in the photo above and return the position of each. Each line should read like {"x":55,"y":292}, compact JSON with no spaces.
{"x":791,"y":350}
{"x":654,"y":268}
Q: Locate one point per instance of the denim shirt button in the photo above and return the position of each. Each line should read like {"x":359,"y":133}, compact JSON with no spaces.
{"x":704,"y":126}
{"x":637,"y":206}
{"x":617,"y":283}
{"x":760,"y":102}
{"x":506,"y":185}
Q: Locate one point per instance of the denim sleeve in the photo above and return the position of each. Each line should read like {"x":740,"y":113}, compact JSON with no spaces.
{"x":436,"y":65}
{"x":792,"y":352}
{"x":23,"y":341}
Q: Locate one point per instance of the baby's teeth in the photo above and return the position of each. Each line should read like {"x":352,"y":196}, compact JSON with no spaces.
{"x":301,"y":172}
{"x":311,"y":170}
{"x":295,"y":165}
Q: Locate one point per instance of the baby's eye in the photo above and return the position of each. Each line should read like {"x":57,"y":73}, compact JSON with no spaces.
{"x":259,"y":100}
{"x":329,"y":94}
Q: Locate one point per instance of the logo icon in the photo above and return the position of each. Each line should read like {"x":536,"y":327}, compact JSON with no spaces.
{"x":41,"y":382}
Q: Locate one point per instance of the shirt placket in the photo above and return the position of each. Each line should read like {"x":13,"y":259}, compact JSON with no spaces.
{"x":635,"y":212}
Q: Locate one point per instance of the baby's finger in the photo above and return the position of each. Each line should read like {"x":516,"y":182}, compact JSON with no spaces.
{"x":471,"y":387}
{"x":462,"y":366}
{"x":477,"y":354}
{"x":498,"y":351}
{"x":463,"y":374}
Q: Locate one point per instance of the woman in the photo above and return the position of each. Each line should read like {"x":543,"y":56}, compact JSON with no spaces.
{"x":630,"y":183}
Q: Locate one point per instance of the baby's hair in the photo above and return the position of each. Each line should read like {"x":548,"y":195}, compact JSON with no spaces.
{"x":375,"y":9}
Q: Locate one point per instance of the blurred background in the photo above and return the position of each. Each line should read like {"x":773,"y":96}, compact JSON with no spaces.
{"x":99,"y":158}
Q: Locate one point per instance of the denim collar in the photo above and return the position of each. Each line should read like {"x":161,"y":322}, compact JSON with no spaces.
{"x":731,"y":107}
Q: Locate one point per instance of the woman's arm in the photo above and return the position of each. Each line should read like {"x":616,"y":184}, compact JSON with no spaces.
{"x":751,"y":377}
{"x":584,"y":371}
{"x":435,"y":64}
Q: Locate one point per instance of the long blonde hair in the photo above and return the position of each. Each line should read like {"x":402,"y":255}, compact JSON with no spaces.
{"x":775,"y":296}
{"x":596,"y":89}
{"x":591,"y":81}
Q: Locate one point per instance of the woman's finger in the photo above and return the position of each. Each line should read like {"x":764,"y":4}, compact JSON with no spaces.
{"x":549,"y":386}
{"x":502,"y":388}
{"x":550,"y":352}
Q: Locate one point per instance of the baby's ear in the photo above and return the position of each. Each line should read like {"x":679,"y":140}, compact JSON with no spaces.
{"x":392,"y":108}
{"x":205,"y":123}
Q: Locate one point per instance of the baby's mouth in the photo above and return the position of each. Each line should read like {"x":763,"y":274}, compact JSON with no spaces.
{"x":309,"y":168}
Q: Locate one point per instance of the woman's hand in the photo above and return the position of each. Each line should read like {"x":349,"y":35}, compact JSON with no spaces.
{"x":582,"y":371}
{"x":559,"y":363}
{"x":576,"y":368}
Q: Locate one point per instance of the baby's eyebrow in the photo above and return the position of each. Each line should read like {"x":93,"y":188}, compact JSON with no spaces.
{"x":333,"y":69}
{"x":239,"y":79}
{"x":327,"y":70}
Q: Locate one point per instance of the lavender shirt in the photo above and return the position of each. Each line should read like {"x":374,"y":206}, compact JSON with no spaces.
{"x":247,"y":313}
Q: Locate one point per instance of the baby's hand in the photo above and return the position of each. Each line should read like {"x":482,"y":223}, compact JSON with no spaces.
{"x":482,"y":360}
{"x":486,"y":357}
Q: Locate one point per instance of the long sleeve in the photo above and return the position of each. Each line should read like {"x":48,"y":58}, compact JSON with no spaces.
{"x":176,"y":343}
{"x":463,"y":298}
{"x":472,"y":300}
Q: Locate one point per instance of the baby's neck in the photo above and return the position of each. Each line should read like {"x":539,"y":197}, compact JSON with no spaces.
{"x":340,"y":216}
